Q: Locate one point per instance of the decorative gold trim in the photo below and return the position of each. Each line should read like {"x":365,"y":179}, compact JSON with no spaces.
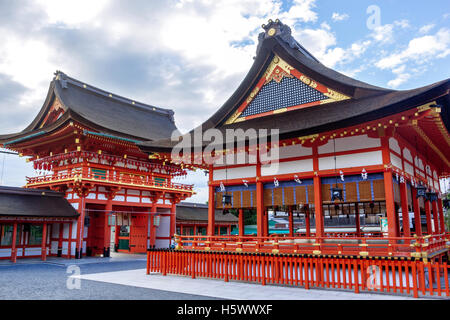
{"x":364,"y":253}
{"x":275,"y":251}
{"x":317,"y":252}
{"x":423,"y":135}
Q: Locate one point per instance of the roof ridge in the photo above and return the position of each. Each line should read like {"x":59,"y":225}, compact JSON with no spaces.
{"x":284,"y":32}
{"x":64,"y":79}
{"x":38,"y":192}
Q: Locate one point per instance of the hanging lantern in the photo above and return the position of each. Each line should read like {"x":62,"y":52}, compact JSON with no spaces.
{"x":421,"y":192}
{"x":431,"y":196}
{"x":336,"y":194}
{"x":226,"y":199}
{"x":446,"y":203}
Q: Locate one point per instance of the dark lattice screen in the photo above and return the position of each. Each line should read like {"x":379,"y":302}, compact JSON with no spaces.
{"x":289,"y":92}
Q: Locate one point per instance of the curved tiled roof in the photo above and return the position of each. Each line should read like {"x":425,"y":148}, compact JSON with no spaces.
{"x":103,"y":111}
{"x":365,"y":102}
{"x":21,"y":202}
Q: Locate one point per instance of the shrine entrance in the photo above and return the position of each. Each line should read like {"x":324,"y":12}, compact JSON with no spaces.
{"x":139,"y":233}
{"x":96,"y":223}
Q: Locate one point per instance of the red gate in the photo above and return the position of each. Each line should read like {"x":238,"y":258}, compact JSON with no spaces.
{"x":138,"y":233}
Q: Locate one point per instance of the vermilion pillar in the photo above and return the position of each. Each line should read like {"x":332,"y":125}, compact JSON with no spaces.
{"x":44,"y":242}
{"x":152,"y":225}
{"x":266,"y":223}
{"x":241,"y":223}
{"x":435,"y":217}
{"x":13,"y":244}
{"x":291,"y":221}
{"x":211,"y":211}
{"x":173,"y":218}
{"x":441,"y":216}
{"x":69,"y":245}
{"x":417,"y":219}
{"x":259,"y":209}
{"x":80,"y":228}
{"x":428,"y":215}
{"x":390,"y":205}
{"x":318,"y":207}
{"x":107,"y":229}
{"x":307,"y":221}
{"x":357,"y":220}
{"x":405,"y":211}
{"x":60,"y":239}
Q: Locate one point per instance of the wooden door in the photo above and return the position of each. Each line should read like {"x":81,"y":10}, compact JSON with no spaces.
{"x":138,"y":233}
{"x":97,"y":233}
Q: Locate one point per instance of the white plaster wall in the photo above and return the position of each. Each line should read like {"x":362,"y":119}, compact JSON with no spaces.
{"x":409,"y":168}
{"x":74,"y":230}
{"x":119,"y":198}
{"x":5,"y":253}
{"x":294,"y":151}
{"x":352,"y":160}
{"x":54,"y":247}
{"x":162,"y":243}
{"x":235,"y":173}
{"x":101,"y":196}
{"x":91,"y":196}
{"x":393,"y":145}
{"x":133,"y":199}
{"x":287,"y":167}
{"x":55,"y":230}
{"x":396,"y":161}
{"x":32,"y":251}
{"x":350,"y":143}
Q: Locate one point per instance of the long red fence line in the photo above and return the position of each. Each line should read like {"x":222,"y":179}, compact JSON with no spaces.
{"x":367,"y":275}
{"x":374,"y":245}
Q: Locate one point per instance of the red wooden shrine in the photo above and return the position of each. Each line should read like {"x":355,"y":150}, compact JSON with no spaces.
{"x":350,"y":156}
{"x":84,"y":143}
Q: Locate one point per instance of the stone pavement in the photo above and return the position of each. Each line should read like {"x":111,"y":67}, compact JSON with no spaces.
{"x":230,"y":290}
{"x":115,"y":257}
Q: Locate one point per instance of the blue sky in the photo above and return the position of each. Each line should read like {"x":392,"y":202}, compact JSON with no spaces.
{"x":191,"y":55}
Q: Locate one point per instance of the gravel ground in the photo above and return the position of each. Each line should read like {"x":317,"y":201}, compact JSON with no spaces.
{"x":48,"y":281}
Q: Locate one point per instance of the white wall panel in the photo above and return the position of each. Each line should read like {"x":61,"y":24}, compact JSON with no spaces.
{"x":294,"y":151}
{"x":352,"y":160}
{"x":235,"y":173}
{"x":287,"y":167}
{"x":393,"y":145}
{"x":5,"y":253}
{"x":409,"y":168}
{"x":407,"y":155}
{"x":396,"y":161}
{"x":350,"y":143}
{"x":133,"y":199}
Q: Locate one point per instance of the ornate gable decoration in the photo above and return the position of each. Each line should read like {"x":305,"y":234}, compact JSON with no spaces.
{"x":54,"y":113}
{"x":281,"y":89}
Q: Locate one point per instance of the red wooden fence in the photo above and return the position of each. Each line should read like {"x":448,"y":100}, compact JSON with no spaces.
{"x":369,"y":275}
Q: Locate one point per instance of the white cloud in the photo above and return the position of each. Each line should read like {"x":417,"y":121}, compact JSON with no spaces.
{"x":339,"y":16}
{"x":426,"y":28}
{"x":420,"y":50}
{"x":72,"y":13}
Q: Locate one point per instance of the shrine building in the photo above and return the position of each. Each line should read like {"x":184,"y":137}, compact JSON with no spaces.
{"x":83,"y":143}
{"x":192,"y":219}
{"x":346,"y":150}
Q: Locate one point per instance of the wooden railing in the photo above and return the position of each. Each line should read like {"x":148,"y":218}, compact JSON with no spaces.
{"x":116,"y":178}
{"x":376,"y":246}
{"x":410,"y":277}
